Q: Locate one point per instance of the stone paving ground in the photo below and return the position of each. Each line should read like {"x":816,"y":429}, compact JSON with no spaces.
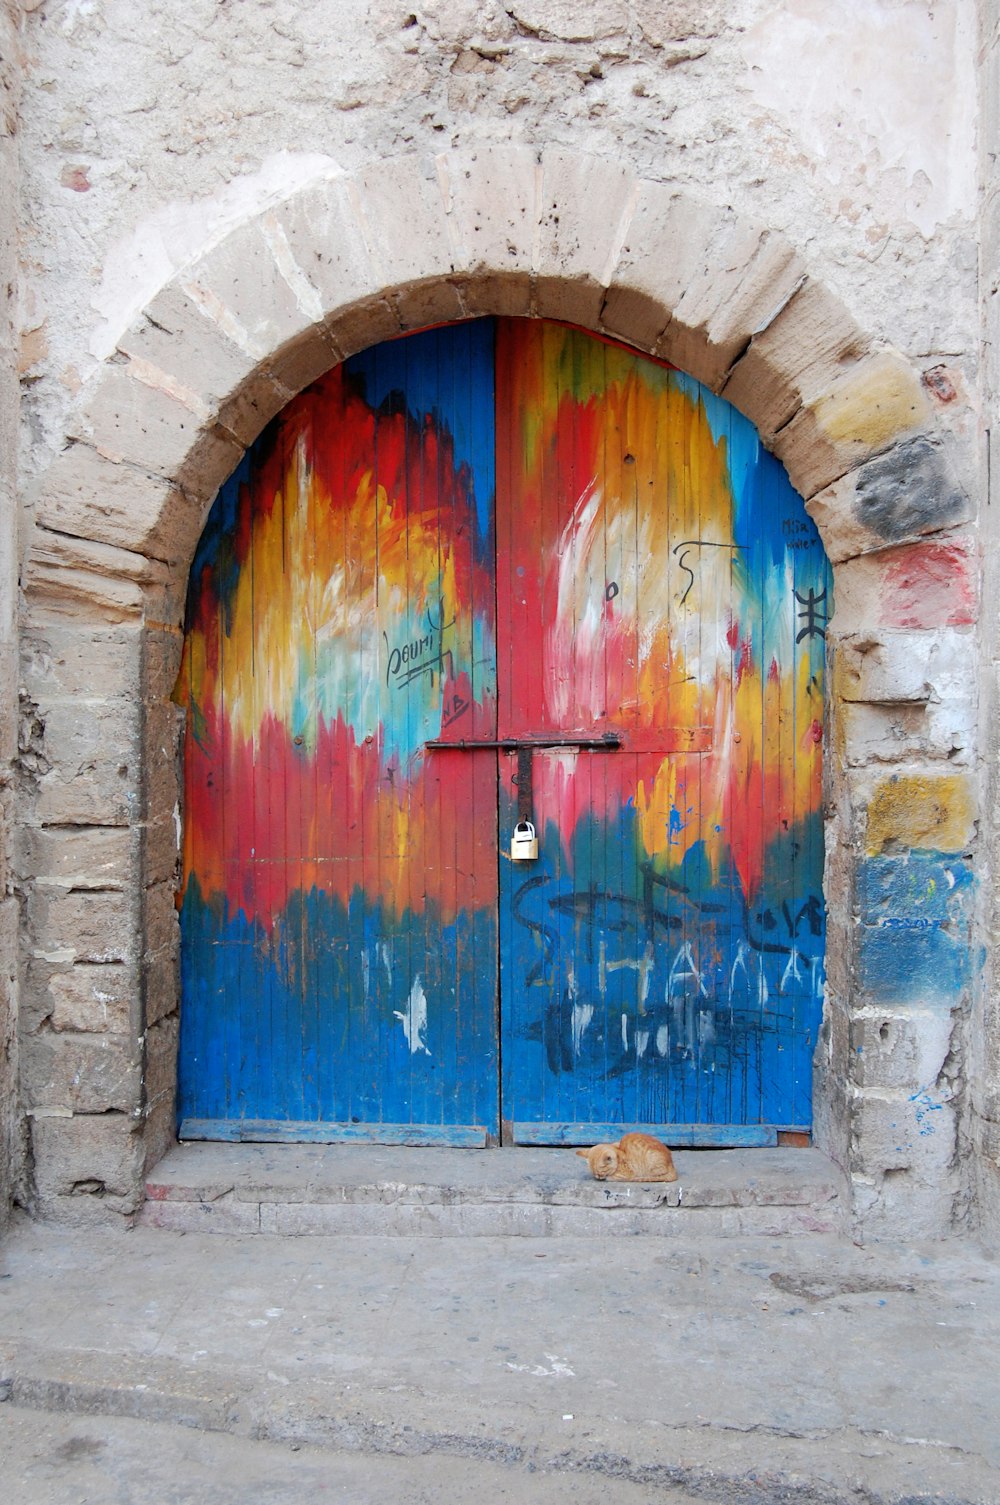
{"x":162,"y":1366}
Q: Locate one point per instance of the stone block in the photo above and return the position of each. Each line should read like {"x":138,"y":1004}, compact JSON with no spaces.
{"x":491,"y":197}
{"x":801,"y":354}
{"x":894,"y":733}
{"x":89,"y":926}
{"x":101,"y":796}
{"x":933,"y":812}
{"x":743,"y":281}
{"x":905,"y":1204}
{"x":89,"y":998}
{"x":161,"y":661}
{"x":161,"y":972}
{"x":252,"y":287}
{"x":899,"y":1050}
{"x":162,"y":850}
{"x":304,"y":360}
{"x":161,"y":932}
{"x":913,"y":965}
{"x":80,"y":1073}
{"x":879,"y":401}
{"x":81,"y":596}
{"x":917,"y":891}
{"x":903,"y":1131}
{"x":176,"y":337}
{"x":903,"y":668}
{"x":363,"y":324}
{"x":161,"y":1069}
{"x":164,"y":798}
{"x":146,"y":427}
{"x":93,"y":494}
{"x":82,"y":857}
{"x":666,"y":249}
{"x":585,"y":207}
{"x":427,"y":303}
{"x":401,"y":208}
{"x":82,"y":577}
{"x":909,"y":491}
{"x":323,"y":230}
{"x":921,"y":586}
{"x":82,"y":1154}
{"x":162,"y":734}
{"x":93,"y":750}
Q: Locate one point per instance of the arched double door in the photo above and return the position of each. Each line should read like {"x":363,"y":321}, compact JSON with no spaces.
{"x":499,"y":569}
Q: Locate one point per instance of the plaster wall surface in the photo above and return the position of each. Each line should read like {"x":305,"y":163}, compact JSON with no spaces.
{"x":223,"y":148}
{"x":849,"y":129}
{"x":985,"y":1031}
{"x":10,"y":90}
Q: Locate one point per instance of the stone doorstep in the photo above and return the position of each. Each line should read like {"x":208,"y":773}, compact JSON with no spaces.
{"x":373,"y":1189}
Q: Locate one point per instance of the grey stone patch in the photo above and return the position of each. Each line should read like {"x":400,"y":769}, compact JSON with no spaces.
{"x":909,"y":490}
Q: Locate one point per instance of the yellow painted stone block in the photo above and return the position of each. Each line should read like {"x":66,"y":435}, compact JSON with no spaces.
{"x":882,"y":400}
{"x":933,"y":811}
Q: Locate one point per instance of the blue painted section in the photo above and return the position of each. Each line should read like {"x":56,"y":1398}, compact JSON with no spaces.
{"x":900,"y":965}
{"x":260,"y":1131}
{"x":303,"y":1026}
{"x":920,"y":889}
{"x":915,"y":934}
{"x":717,"y":1027}
{"x":430,"y":376}
{"x":677,"y":1136}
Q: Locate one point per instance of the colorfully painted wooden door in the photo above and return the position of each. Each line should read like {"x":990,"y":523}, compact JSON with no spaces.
{"x":657,"y":581}
{"x":339,"y":909}
{"x":645,"y":573}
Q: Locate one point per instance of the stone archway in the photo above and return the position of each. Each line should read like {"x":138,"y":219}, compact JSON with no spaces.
{"x":342,"y":263}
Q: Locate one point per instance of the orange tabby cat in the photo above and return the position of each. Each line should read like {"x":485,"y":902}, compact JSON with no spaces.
{"x":636,"y":1157}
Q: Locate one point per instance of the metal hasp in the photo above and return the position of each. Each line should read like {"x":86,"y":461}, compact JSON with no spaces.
{"x":525,"y":747}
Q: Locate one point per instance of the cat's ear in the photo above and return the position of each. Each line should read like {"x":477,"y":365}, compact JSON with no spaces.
{"x":583,"y":1153}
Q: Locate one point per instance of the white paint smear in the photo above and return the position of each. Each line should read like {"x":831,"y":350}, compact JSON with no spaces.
{"x":414,"y":1020}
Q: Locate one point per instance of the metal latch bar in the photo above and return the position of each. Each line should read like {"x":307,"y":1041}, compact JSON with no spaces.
{"x":606,"y":743}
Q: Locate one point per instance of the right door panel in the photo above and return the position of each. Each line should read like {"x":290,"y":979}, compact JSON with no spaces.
{"x":657,"y":578}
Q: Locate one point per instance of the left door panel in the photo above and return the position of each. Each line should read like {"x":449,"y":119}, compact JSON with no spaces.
{"x":340,"y":884}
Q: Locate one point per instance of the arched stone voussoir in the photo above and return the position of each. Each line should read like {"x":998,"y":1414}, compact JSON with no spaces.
{"x":254,"y":289}
{"x":491,"y":196}
{"x":694,"y":284}
{"x":909,"y":491}
{"x":176,"y":337}
{"x":85,"y":494}
{"x":351,"y":259}
{"x":585,"y":208}
{"x":876,"y":403}
{"x":798,"y":356}
{"x":136,"y":416}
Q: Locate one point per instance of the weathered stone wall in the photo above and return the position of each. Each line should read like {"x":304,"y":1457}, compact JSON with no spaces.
{"x":984,"y":1052}
{"x":218,"y":211}
{"x":10,"y":92}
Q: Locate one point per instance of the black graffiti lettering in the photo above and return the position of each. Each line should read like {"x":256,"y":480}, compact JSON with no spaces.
{"x":455,"y":706}
{"x":681,"y":551}
{"x":611,"y":591}
{"x":549,"y":937}
{"x":425,"y":654}
{"x":815,"y":619}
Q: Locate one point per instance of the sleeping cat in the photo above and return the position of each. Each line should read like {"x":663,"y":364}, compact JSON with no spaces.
{"x":636,"y":1157}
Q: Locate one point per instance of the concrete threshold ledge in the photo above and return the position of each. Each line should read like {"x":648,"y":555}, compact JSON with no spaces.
{"x":381,"y":1190}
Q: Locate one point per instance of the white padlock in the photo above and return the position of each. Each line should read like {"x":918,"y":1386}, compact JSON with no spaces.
{"x":524,"y":842}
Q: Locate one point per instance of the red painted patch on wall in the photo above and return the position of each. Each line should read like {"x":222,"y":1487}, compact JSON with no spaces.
{"x":929,"y":585}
